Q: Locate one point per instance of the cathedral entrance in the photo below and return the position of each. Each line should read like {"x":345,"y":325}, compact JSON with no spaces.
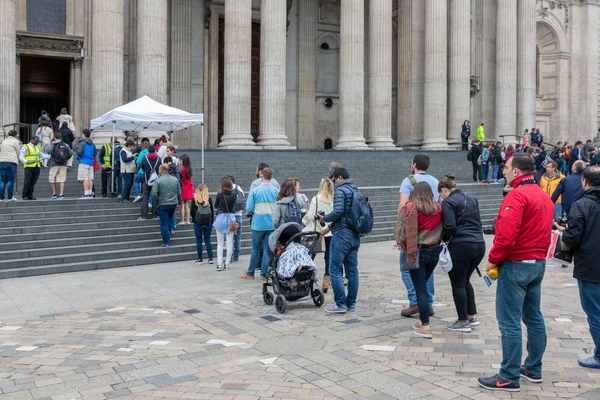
{"x":44,"y":86}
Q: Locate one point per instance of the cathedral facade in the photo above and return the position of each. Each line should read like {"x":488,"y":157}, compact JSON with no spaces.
{"x":310,"y":74}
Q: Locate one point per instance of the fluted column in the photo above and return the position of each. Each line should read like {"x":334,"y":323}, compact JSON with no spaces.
{"x":526,"y":67}
{"x":238,"y":47}
{"x":380,"y":74}
{"x":77,"y":111}
{"x":436,"y":74}
{"x":180,"y":74}
{"x":8,"y":63}
{"x":352,"y":75}
{"x":308,"y":10}
{"x":506,"y":70}
{"x":273,"y":21}
{"x":107,"y":60}
{"x":152,"y":49}
{"x":459,"y":91}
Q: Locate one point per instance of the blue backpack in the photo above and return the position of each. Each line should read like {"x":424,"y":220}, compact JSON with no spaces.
{"x":360,"y":217}
{"x":293,"y":212}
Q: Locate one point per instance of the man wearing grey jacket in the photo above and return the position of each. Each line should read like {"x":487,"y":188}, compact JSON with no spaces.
{"x":166,"y":193}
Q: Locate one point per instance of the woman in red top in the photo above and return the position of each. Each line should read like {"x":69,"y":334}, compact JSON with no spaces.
{"x":187,"y":189}
{"x":418,"y":231}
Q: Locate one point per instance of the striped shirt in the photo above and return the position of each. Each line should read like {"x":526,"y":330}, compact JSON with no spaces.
{"x":261,"y":202}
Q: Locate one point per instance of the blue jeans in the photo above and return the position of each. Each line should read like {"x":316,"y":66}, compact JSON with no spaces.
{"x":484,"y":171}
{"x":8,"y":175}
{"x":518,"y":298}
{"x":495,"y":170}
{"x":128,"y":182}
{"x":237,"y":238}
{"x":428,"y":259}
{"x":344,"y":254}
{"x":589,"y":295}
{"x":408,"y":283}
{"x":558,"y":211}
{"x":137,"y":184}
{"x":203,"y":231}
{"x":260,"y":244}
{"x":166,"y":215}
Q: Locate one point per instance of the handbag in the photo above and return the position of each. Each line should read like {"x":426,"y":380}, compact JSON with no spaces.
{"x":445,"y":259}
{"x":409,"y":265}
{"x":233,"y":226}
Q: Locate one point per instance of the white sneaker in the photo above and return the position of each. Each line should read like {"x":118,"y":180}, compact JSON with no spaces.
{"x":219,"y":268}
{"x":226,"y":268}
{"x":149,"y":205}
{"x":12,"y":199}
{"x":137,"y":198}
{"x":84,"y":197}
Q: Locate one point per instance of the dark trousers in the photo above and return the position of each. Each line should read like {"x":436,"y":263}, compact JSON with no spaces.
{"x":105,"y":178}
{"x":589,"y":296}
{"x":428,"y":259}
{"x":465,"y":258}
{"x":166,"y":215}
{"x":326,"y":254}
{"x":127,"y":184}
{"x":465,"y":143}
{"x":146,"y":190}
{"x":31,"y":178}
{"x":477,"y":175}
{"x":202,"y":233}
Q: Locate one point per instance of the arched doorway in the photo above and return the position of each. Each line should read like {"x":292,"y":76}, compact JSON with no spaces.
{"x":328,"y":144}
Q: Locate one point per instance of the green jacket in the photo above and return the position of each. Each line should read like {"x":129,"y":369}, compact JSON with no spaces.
{"x":166,"y":191}
{"x":480,"y":135}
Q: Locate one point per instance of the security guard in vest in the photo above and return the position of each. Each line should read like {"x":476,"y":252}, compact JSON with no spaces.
{"x":30,"y":157}
{"x":104,"y":159}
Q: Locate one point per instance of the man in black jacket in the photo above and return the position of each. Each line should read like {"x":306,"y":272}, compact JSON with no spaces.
{"x":582,"y":237}
{"x":570,"y":187}
{"x":475,"y":153}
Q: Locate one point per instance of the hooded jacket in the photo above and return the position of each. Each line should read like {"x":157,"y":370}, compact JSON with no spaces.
{"x":342,"y":204}
{"x":86,"y":150}
{"x":280,"y":207}
{"x":583,"y":235}
{"x":67,"y":136}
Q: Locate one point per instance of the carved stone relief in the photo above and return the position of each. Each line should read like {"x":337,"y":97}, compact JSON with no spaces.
{"x":26,"y":41}
{"x":329,"y":11}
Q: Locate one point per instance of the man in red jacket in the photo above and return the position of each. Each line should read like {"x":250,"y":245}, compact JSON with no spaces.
{"x":522,"y":239}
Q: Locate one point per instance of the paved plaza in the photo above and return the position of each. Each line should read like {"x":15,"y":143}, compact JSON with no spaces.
{"x":185,"y":331}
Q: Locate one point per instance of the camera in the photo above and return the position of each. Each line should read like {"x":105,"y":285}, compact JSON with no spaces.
{"x":490,"y":229}
{"x":321,"y":213}
{"x":562,"y":221}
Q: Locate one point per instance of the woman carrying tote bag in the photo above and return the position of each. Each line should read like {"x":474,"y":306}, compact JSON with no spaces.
{"x":225,"y":221}
{"x":418,"y":231}
{"x":464,"y":235}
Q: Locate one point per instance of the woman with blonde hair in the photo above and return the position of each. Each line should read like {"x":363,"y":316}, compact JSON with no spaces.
{"x":418,"y":231}
{"x":203,"y":214}
{"x":321,"y":203}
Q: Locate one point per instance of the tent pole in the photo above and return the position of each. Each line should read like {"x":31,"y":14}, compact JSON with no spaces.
{"x":112,"y":164}
{"x":202,"y":125}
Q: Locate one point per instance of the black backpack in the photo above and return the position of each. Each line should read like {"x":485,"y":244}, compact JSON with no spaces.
{"x":203,"y":214}
{"x":470,"y":154}
{"x":60,"y":153}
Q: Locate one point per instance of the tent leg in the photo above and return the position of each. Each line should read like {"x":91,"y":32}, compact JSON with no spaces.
{"x":202,"y":152}
{"x":112,"y":164}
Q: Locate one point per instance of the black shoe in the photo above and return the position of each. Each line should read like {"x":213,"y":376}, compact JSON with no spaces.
{"x":529,"y":376}
{"x":32,"y":198}
{"x":497,"y":383}
{"x":103,"y":195}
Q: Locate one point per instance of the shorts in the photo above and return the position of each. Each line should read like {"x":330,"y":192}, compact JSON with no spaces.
{"x":85,"y":172}
{"x":58,"y":174}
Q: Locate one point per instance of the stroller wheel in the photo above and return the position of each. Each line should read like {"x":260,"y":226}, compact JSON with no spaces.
{"x":318,"y":297}
{"x":268,"y":298}
{"x":280,"y":304}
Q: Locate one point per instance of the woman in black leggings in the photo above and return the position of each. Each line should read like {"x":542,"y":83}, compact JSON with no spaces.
{"x":464,"y":234}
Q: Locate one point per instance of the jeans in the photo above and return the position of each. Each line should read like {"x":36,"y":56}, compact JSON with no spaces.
{"x":558,"y":211}
{"x":477,"y":175}
{"x":260,"y":245}
{"x":495,"y":169}
{"x":465,"y":258}
{"x":31,"y":178}
{"x":166,"y":215}
{"x":203,"y":231}
{"x":408,"y":283}
{"x":221,"y":238}
{"x":344,"y":253}
{"x":518,"y":298}
{"x":8,"y":175}
{"x":485,"y":171}
{"x":237,"y":238}
{"x":589,"y":295}
{"x":428,"y":259}
{"x":137,"y":184}
{"x":127,"y":183}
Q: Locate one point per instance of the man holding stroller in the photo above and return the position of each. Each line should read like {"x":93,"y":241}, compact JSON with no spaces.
{"x":344,"y":244}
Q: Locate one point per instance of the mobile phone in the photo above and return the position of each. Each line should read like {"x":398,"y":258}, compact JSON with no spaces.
{"x":487,"y":280}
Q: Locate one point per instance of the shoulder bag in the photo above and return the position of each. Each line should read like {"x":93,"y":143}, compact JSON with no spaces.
{"x":233,"y":225}
{"x":445,"y":258}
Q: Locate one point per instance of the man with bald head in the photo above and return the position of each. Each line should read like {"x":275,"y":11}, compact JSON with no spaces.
{"x":570,"y":187}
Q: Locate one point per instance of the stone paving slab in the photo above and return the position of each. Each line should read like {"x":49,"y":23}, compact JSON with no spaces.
{"x":223,"y":342}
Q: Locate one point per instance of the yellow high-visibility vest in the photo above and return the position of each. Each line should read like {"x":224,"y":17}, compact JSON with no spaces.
{"x":107,"y":151}
{"x":32,"y":153}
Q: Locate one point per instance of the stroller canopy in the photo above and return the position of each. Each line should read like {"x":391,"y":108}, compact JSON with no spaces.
{"x":285,"y":232}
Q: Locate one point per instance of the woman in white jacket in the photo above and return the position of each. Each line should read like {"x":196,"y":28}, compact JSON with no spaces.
{"x":322,"y":202}
{"x":65,"y":117}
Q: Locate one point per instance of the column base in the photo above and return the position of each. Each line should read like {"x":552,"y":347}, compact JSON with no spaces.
{"x":274,"y":141}
{"x":435,"y":144}
{"x":455,"y":144}
{"x":236,"y":141}
{"x":352,"y":143}
{"x":381,"y":143}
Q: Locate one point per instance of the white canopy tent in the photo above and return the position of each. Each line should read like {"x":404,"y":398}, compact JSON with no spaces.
{"x":145,"y":114}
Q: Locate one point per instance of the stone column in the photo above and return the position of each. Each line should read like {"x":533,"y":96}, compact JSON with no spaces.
{"x":506,"y":71}
{"x":589,"y":70}
{"x":238,"y":48}
{"x":77,"y":111}
{"x":411,"y":70}
{"x":152,"y":49}
{"x":197,"y":59}
{"x":308,"y":10}
{"x":380,"y":74}
{"x":181,"y":62}
{"x":459,"y":75}
{"x":107,"y":60}
{"x":273,"y":21}
{"x":8,"y":63}
{"x":526,"y":65}
{"x":436,"y":74}
{"x":352,"y":75}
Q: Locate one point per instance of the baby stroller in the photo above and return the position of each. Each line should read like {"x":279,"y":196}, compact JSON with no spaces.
{"x":303,"y":281}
